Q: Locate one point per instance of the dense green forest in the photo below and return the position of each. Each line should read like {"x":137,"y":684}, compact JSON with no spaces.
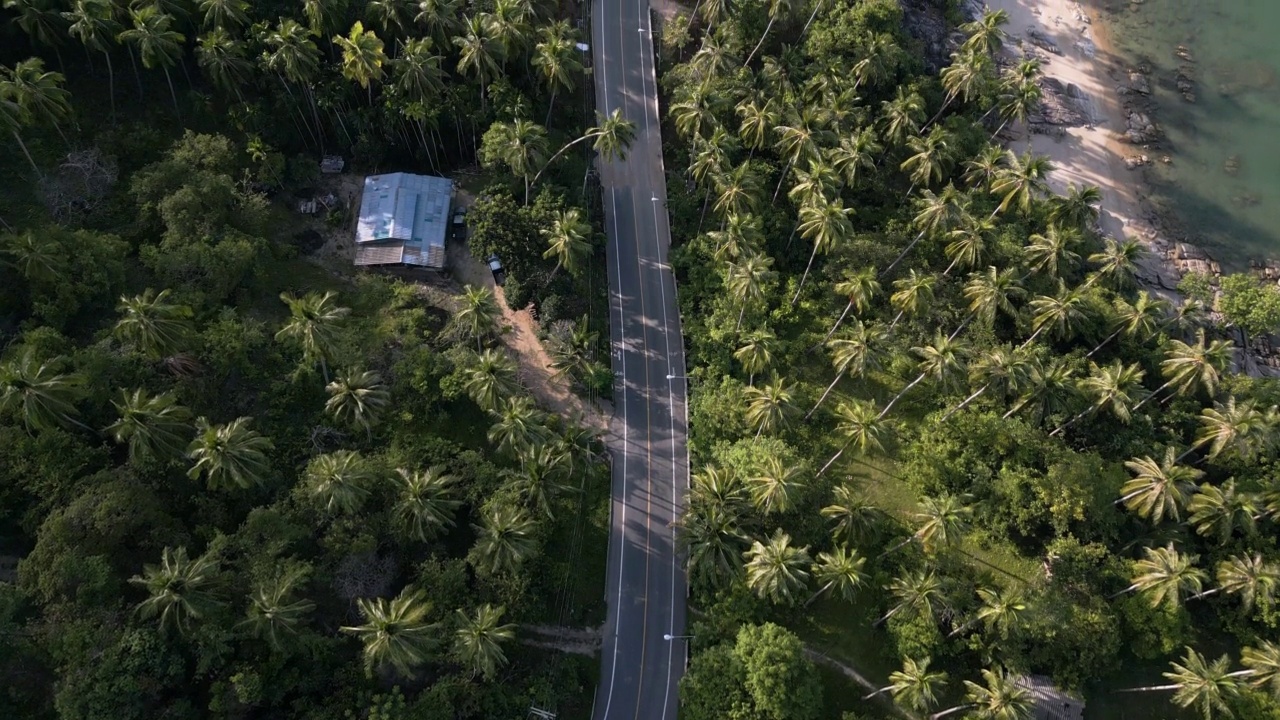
{"x":938,"y":432}
{"x":236,"y":481}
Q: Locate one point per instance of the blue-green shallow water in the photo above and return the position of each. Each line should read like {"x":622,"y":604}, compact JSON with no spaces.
{"x":1235,"y":45}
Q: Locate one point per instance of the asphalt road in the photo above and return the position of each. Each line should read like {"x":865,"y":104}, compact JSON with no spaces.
{"x":641,"y":669}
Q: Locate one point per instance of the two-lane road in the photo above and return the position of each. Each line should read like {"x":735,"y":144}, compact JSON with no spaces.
{"x":645,"y":590}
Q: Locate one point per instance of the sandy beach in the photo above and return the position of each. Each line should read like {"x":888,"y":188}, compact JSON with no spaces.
{"x":1092,"y":153}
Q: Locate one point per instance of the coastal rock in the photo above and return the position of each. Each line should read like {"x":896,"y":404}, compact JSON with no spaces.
{"x":1059,"y":104}
{"x":1140,"y":129}
{"x":1042,"y":41}
{"x":1133,"y":162}
{"x":924,"y":22}
{"x":1138,"y":83}
{"x":1184,"y":54}
{"x":1232,"y":165}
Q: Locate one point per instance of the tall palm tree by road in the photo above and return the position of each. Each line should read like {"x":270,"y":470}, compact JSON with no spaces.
{"x":568,"y":241}
{"x":776,"y":569}
{"x":395,"y":632}
{"x":477,"y":643}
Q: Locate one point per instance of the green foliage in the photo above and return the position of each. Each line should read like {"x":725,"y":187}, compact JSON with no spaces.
{"x":1250,"y":305}
{"x":780,"y":680}
{"x":72,"y":276}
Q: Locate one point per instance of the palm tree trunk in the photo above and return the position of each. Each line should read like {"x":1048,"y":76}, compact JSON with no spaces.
{"x":835,"y":327}
{"x":1206,"y":593}
{"x":1154,"y":393}
{"x":23,"y":145}
{"x":825,"y":394}
{"x":741,"y":311}
{"x":1075,"y":418}
{"x":804,"y":277}
{"x":176,"y":110}
{"x":941,"y":110}
{"x":1031,"y":339}
{"x":834,"y":458}
{"x":1151,"y":688}
{"x":551,"y":106}
{"x":902,"y":254}
{"x":818,"y":594}
{"x":881,"y":691}
{"x":1131,"y":588}
{"x":998,"y":130}
{"x":949,"y":711}
{"x":817,"y":6}
{"x":781,"y":179}
{"x":559,"y":152}
{"x":705,"y":199}
{"x":965,"y":403}
{"x":1110,"y":337}
{"x":324,"y":368}
{"x":767,"y":28}
{"x":111,"y":84}
{"x":904,"y":391}
{"x":133,"y":60}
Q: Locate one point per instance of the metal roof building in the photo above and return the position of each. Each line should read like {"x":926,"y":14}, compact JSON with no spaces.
{"x":1049,"y":702}
{"x":404,"y":220}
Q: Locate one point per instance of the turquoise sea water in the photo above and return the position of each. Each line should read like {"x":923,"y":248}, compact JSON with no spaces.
{"x":1224,"y":184}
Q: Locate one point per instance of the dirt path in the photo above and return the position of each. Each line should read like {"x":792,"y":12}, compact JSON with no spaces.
{"x":522,"y":340}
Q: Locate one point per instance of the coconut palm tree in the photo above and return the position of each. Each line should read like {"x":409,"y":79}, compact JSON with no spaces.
{"x":489,"y":378}
{"x":154,"y":426}
{"x":37,"y":258}
{"x":480,"y":53}
{"x":1190,"y":368}
{"x":363,"y":60}
{"x":992,"y":292}
{"x":93,"y":23}
{"x":911,"y":294}
{"x":556,"y":58}
{"x":858,"y":350}
{"x":1050,"y":388}
{"x":712,"y":541}
{"x":391,"y":15}
{"x":395,"y":633}
{"x":357,"y":398}
{"x":942,"y":360}
{"x":776,"y":9}
{"x":441,"y":18}
{"x":1220,"y":511}
{"x":478,"y":314}
{"x":747,"y":281}
{"x":504,"y":539}
{"x":1166,"y":576}
{"x":1053,"y":252}
{"x":860,"y":287}
{"x":737,"y":191}
{"x":41,"y":397}
{"x":1263,"y":667}
{"x":224,"y":14}
{"x":1116,"y":388}
{"x":339,"y":481}
{"x":1196,"y":681}
{"x":855,"y":520}
{"x":1019,"y":99}
{"x":967,"y":76}
{"x":769,"y":407}
{"x":1117,"y":263}
{"x":230,"y":455}
{"x":814,"y":183}
{"x":152,"y":324}
{"x":901,"y":116}
{"x":775,"y":485}
{"x":1248,"y":576}
{"x":539,"y":479}
{"x":477,"y":643}
{"x":860,"y":425}
{"x":839,"y":570}
{"x":508,"y":24}
{"x":1001,"y":698}
{"x":777,"y":570}
{"x":568,"y":241}
{"x":313,"y":324}
{"x":986,"y":34}
{"x":274,"y":613}
{"x":856,"y":154}
{"x":968,"y":243}
{"x":417,"y":70}
{"x":1060,"y":313}
{"x":935,"y":215}
{"x":930,"y":156}
{"x":518,"y":424}
{"x":425,"y":501}
{"x":610,"y":138}
{"x":759,"y":116}
{"x":156,"y":42}
{"x":224,"y":61}
{"x":916,"y":593}
{"x":1240,"y":429}
{"x":520,"y":145}
{"x":1078,"y":209}
{"x":294,"y":58}
{"x":38,"y":93}
{"x":1001,"y":611}
{"x":1158,"y":490}
{"x":999,"y":368}
{"x":943,"y":521}
{"x":1021,"y":182}
{"x":322,"y":15}
{"x":1138,"y":321}
{"x":914,"y":687}
{"x":693,"y":110}
{"x":178,"y":589}
{"x":755,"y":354}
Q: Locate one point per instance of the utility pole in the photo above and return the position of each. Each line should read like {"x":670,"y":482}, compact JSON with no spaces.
{"x":540,"y":714}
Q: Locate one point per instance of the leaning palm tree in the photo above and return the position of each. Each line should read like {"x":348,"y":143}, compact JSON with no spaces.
{"x":861,"y":426}
{"x":477,"y":643}
{"x":1115,"y":388}
{"x":747,"y":281}
{"x":1050,"y":388}
{"x":479,"y":53}
{"x":505,"y":539}
{"x":357,"y":398}
{"x":230,"y":455}
{"x":38,"y":93}
{"x":1158,"y":489}
{"x":1137,"y":321}
{"x":1001,"y":698}
{"x":339,"y":481}
{"x":568,"y":241}
{"x":986,"y":34}
{"x":1117,"y":263}
{"x":425,"y":501}
{"x":1001,"y":610}
{"x":769,"y":406}
{"x":755,"y":354}
{"x":154,"y":426}
{"x":916,"y":593}
{"x":156,"y":42}
{"x":518,"y":424}
{"x":1052,"y":253}
{"x":942,"y":361}
{"x":313,"y":324}
{"x":943,"y":522}
{"x":826,"y":224}
{"x":478,"y":314}
{"x":1019,"y":184}
{"x":1190,"y":368}
{"x":611,"y":138}
{"x":856,"y":352}
{"x":860,"y":288}
{"x":521,"y":145}
{"x":855,"y":520}
{"x":1198,"y":682}
{"x":395,"y":633}
{"x":911,"y":295}
{"x":1166,"y":576}
{"x":936,"y":214}
{"x":556,"y":59}
{"x":93,"y":23}
{"x":914,"y":687}
{"x":776,"y":569}
{"x":41,"y":397}
{"x":363,"y":60}
{"x":177,"y":588}
{"x":998,"y":368}
{"x":1237,"y":428}
{"x":1249,"y":576}
{"x":1077,"y":209}
{"x":1061,"y":313}
{"x":1218,"y":511}
{"x":224,"y":61}
{"x":839,"y":570}
{"x":1262,"y":664}
{"x":274,"y":614}
{"x":712,"y":540}
{"x":489,"y":378}
{"x":152,"y":324}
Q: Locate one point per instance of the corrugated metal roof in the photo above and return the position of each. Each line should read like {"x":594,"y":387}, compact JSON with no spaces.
{"x":411,"y":209}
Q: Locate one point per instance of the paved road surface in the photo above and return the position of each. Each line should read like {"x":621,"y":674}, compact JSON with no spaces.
{"x":641,"y":669}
